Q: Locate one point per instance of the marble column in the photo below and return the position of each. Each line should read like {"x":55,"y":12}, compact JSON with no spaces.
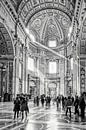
{"x":10,"y":80}
{"x":42,"y":73}
{"x":36,"y":74}
{"x":16,"y":69}
{"x":24,"y":70}
{"x":8,"y":77}
{"x":14,"y":77}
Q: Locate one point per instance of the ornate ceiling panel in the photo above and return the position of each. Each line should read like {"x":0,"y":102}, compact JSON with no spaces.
{"x":6,"y":47}
{"x":46,"y":18}
{"x":50,"y":24}
{"x":30,"y":8}
{"x":27,"y":8}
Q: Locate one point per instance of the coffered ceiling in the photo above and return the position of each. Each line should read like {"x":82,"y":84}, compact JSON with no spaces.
{"x":46,"y":19}
{"x":6,"y":47}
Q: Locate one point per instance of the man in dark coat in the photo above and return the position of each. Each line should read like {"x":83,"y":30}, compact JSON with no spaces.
{"x":69,"y":105}
{"x":82,"y":107}
{"x":16,"y":107}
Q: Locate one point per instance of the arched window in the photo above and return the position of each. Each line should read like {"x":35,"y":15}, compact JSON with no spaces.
{"x":52,"y":43}
{"x":52,"y":67}
{"x":30,"y":64}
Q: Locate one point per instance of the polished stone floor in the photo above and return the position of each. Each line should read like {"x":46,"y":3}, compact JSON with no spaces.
{"x":39,"y":118}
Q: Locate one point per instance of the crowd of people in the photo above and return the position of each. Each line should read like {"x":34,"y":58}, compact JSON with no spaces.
{"x":69,"y":104}
{"x":78,"y":103}
{"x":44,"y":100}
{"x":66,"y":103}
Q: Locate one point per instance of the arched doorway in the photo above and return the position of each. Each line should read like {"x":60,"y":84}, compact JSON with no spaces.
{"x":52,"y":87}
{"x":6,"y":64}
{"x":32,"y":88}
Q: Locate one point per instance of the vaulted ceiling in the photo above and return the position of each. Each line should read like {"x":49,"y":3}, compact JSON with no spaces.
{"x":46,"y":19}
{"x":6,"y":47}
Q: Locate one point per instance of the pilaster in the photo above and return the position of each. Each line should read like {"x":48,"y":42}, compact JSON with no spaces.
{"x":16,"y":68}
{"x":25,"y":68}
{"x":7,"y":77}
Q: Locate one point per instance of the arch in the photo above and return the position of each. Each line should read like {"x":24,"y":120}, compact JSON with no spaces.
{"x":6,"y":61}
{"x":29,"y":5}
{"x":52,"y":89}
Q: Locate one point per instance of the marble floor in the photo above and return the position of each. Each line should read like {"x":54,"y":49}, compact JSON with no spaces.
{"x":39,"y":118}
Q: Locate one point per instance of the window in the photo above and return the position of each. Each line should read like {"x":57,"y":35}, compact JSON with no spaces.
{"x":52,"y":43}
{"x":71,"y":63}
{"x":31,"y":64}
{"x":52,"y":67}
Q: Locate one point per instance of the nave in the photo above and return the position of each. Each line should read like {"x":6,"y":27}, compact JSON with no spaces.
{"x":39,"y":118}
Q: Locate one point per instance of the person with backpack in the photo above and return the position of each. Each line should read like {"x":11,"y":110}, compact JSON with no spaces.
{"x":68,"y":106}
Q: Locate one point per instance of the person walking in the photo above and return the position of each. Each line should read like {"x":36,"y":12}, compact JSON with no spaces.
{"x":22,"y":107}
{"x":26,"y":109}
{"x":57,"y":103}
{"x":82,"y":108}
{"x":68,"y":106}
{"x":42,"y":101}
{"x":76,"y":104}
{"x":63,"y":102}
{"x":37,"y":100}
{"x":16,"y":108}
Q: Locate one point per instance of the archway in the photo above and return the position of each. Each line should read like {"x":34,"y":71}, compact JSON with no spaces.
{"x":32,"y":88}
{"x":6,"y":64}
{"x":52,"y":87}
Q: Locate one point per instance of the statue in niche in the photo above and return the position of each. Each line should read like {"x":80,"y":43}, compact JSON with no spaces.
{"x":37,"y":24}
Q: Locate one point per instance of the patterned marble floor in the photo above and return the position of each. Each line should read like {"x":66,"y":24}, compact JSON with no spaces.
{"x":38,"y":119}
